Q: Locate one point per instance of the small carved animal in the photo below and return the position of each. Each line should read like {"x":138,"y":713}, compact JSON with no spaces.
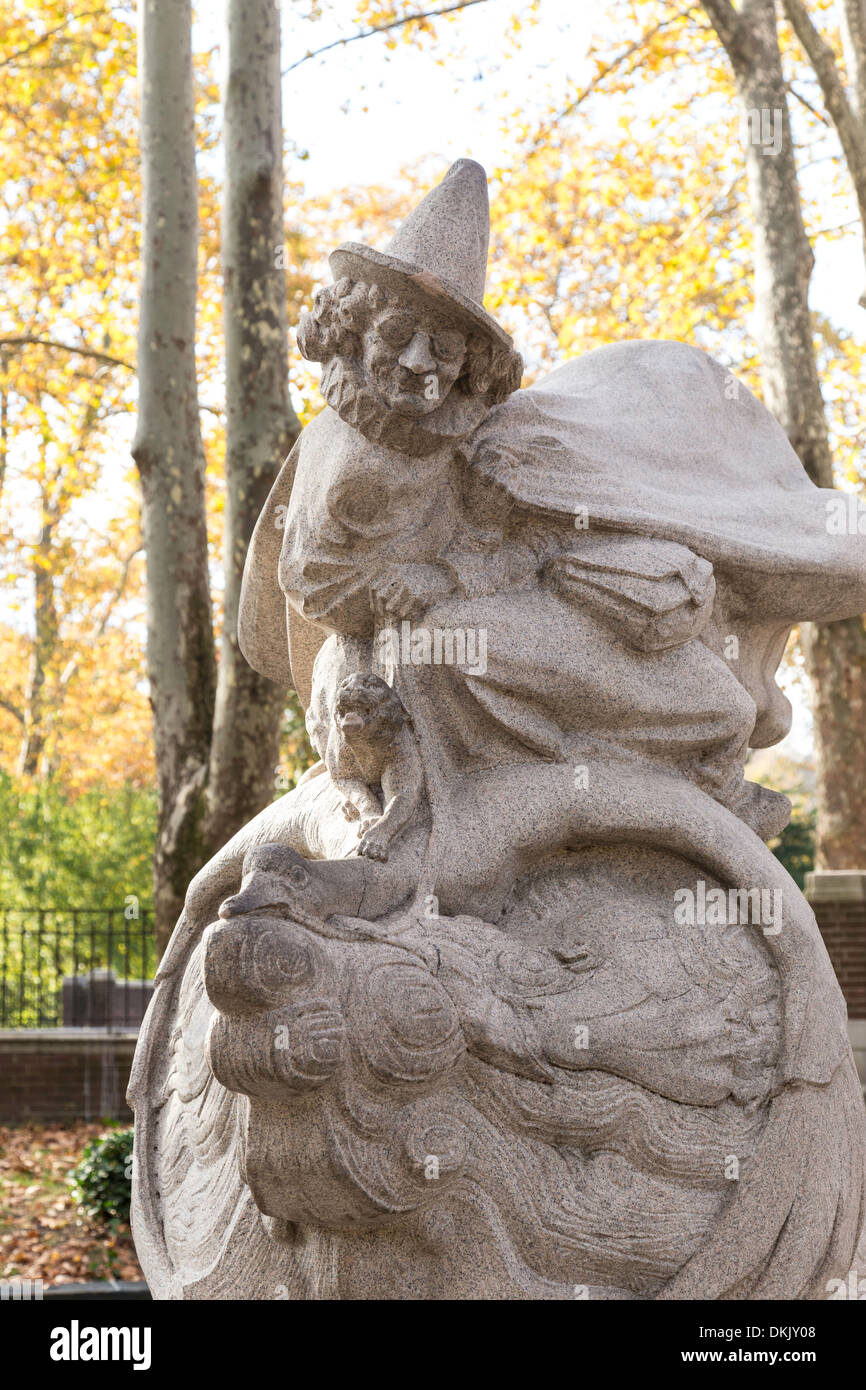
{"x":278,"y":882}
{"x":372,"y":748}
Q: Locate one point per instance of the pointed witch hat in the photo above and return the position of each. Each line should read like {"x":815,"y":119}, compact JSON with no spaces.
{"x":440,"y":251}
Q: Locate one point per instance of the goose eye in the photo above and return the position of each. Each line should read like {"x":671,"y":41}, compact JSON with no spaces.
{"x":298,"y":876}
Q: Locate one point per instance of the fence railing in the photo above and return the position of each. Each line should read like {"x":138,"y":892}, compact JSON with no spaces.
{"x":75,"y":967}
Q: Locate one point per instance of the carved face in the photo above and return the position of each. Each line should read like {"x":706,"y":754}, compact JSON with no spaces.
{"x":391,"y":359}
{"x":410,"y":361}
{"x":366,"y":703}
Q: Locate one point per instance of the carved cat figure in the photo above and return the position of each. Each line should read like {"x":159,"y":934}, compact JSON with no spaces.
{"x":371,"y":746}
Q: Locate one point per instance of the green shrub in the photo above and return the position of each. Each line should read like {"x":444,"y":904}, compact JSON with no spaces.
{"x":102,"y":1180}
{"x":90,"y":850}
{"x":795,"y":847}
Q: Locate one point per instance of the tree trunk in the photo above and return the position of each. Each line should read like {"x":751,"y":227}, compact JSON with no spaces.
{"x":841,"y":104}
{"x":261,"y":425}
{"x":836,"y":661}
{"x":170,"y":457}
{"x":45,"y":636}
{"x":783,"y":256}
{"x":835,"y":652}
{"x":854,"y":46}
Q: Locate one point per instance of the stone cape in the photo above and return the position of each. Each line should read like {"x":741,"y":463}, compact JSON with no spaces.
{"x":632,"y":433}
{"x":431,"y":1025}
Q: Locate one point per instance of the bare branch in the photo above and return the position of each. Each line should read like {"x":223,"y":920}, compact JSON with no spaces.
{"x":725,"y":21}
{"x":13,"y":710}
{"x":111,"y":602}
{"x":823,"y":60}
{"x":840,"y":227}
{"x":382,"y":29}
{"x":853,"y":24}
{"x":605,"y":71}
{"x":50,"y":33}
{"x":849,"y":128}
{"x":26,"y":340}
{"x":819,"y":115}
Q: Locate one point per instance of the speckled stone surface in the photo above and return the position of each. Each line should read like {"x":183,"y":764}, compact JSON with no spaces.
{"x":508,"y":999}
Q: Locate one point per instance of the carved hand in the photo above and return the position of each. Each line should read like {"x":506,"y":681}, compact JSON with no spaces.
{"x":406,"y":591}
{"x":374,"y":844}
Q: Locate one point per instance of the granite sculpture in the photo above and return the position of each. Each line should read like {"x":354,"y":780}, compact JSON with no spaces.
{"x":508,"y":997}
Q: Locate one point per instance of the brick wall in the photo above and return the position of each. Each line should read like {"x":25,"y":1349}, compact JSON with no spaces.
{"x":843,"y":927}
{"x":838,"y":899}
{"x":49,"y":1074}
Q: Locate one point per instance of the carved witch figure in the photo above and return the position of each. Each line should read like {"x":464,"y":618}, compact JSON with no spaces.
{"x":508,"y":997}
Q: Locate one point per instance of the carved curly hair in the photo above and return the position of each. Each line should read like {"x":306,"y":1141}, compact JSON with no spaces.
{"x":342,"y":313}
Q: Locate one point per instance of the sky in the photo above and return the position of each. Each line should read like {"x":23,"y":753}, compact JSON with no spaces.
{"x":415,"y":107}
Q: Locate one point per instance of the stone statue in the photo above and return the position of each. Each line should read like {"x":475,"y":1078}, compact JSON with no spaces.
{"x":508,"y":998}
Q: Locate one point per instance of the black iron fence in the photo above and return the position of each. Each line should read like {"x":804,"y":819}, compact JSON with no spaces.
{"x":75,"y":967}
